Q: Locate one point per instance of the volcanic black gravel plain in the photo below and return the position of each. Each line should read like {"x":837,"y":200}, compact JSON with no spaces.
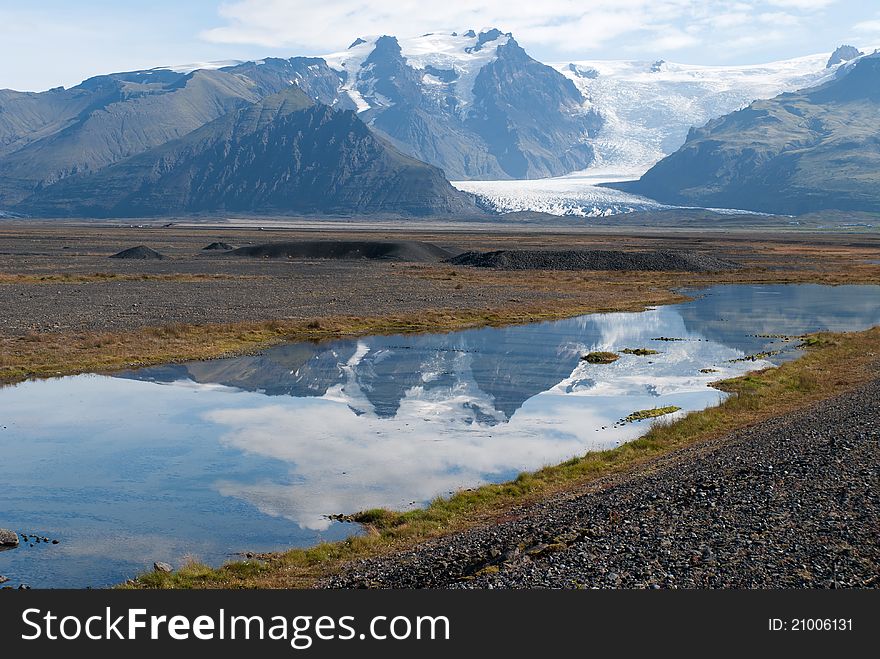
{"x":304,"y":273}
{"x":595,"y":259}
{"x":413,"y":251}
{"x":788,"y":503}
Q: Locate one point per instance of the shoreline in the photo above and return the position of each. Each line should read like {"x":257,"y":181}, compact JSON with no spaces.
{"x":780,"y":504}
{"x":64,"y":355}
{"x":833,"y":364}
{"x":47,"y":355}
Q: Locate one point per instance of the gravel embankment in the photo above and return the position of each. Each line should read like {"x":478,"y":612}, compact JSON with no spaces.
{"x":594,"y":259}
{"x":788,"y":503}
{"x":412,"y":251}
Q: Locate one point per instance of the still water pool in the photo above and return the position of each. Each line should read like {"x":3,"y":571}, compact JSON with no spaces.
{"x":252,"y":454}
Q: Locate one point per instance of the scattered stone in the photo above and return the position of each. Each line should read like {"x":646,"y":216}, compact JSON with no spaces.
{"x":159,"y":566}
{"x":8,"y":538}
{"x":218,"y":246}
{"x":3,"y":579}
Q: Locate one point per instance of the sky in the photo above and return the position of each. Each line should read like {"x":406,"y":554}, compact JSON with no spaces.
{"x":59,"y":43}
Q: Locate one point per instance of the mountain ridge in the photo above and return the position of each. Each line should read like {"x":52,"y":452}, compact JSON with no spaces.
{"x":285,"y":153}
{"x":815,"y":149}
{"x":474,"y":104}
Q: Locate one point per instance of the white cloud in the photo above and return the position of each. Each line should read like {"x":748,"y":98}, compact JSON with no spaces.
{"x":730,"y":19}
{"x":872,"y":26}
{"x":803,"y":5}
{"x":779,"y":18}
{"x":275,"y":23}
{"x":647,"y":27}
{"x":672,"y":39}
{"x":750,"y":41}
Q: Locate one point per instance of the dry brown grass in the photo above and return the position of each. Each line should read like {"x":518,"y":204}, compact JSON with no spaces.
{"x":568,"y":293}
{"x":633,"y":284}
{"x":88,"y":278}
{"x":64,"y":353}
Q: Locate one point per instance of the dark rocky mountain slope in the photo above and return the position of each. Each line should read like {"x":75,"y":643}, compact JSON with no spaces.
{"x":283,"y":154}
{"x":807,"y":151}
{"x":48,"y":136}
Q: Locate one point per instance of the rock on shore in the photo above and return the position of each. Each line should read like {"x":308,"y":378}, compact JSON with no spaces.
{"x":8,"y":539}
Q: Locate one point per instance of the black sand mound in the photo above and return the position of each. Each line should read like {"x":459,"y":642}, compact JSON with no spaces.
{"x":408,"y":250}
{"x":593,"y":259}
{"x":218,"y":246}
{"x":139,"y":252}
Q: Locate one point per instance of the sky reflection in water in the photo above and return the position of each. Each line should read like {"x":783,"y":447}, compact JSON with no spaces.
{"x":253,"y":453}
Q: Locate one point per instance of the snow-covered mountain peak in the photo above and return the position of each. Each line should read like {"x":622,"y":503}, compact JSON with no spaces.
{"x":447,"y":63}
{"x":199,"y":66}
{"x":843,"y":53}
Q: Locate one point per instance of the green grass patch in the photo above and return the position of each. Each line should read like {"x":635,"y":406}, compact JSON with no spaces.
{"x":640,"y":352}
{"x":653,"y":413}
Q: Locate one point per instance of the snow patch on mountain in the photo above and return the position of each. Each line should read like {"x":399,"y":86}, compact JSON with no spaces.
{"x":350,"y":62}
{"x":449,"y":63}
{"x":198,"y":66}
{"x":465,"y":56}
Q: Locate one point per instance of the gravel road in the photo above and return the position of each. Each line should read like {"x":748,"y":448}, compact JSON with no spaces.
{"x":788,"y":503}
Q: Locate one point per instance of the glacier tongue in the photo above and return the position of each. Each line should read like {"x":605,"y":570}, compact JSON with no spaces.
{"x":351,"y":62}
{"x":647,"y":110}
{"x":575,"y":195}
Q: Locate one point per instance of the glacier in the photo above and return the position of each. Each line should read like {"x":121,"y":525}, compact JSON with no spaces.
{"x":649,"y":107}
{"x":575,"y":195}
{"x":647,"y":110}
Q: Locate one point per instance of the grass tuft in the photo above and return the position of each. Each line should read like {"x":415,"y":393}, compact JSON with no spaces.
{"x":600,"y":357}
{"x":640,"y":352}
{"x":653,"y":413}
